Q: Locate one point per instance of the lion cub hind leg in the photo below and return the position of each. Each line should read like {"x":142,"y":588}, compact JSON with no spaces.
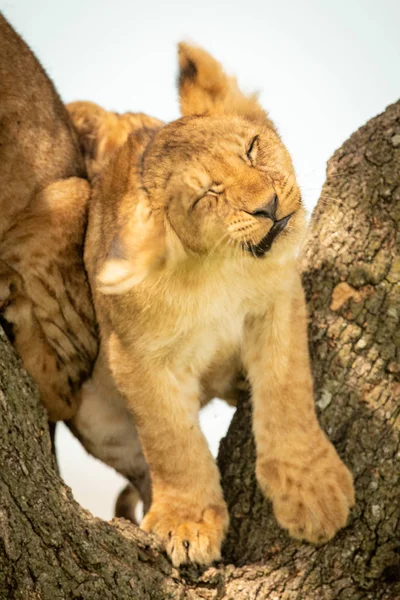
{"x":106,"y":429}
{"x":188,"y":511}
{"x":297,"y":466}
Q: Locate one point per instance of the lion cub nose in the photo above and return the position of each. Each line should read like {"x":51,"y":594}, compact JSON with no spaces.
{"x":269,"y":210}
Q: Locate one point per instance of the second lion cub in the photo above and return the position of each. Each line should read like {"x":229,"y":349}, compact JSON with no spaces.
{"x":191,"y":252}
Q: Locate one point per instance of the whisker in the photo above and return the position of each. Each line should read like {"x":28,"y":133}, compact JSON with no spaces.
{"x":218,"y":244}
{"x":325,"y":198}
{"x":252,"y":249}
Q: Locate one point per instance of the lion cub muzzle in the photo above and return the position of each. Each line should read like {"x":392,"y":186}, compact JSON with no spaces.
{"x":268,"y":212}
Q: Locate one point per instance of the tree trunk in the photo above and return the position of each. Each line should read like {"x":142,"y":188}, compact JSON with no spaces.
{"x":50,"y":548}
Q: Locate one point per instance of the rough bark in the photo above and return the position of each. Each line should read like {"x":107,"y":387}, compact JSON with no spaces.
{"x":51,"y":548}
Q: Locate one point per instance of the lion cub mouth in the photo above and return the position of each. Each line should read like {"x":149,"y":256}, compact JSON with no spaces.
{"x":259,"y":250}
{"x":269,"y":211}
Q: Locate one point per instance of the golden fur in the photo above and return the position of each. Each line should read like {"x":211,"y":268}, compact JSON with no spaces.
{"x":101,"y":132}
{"x":45,"y":302}
{"x":191,"y":254}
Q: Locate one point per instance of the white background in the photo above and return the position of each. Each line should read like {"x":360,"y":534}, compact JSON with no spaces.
{"x":323,"y":69}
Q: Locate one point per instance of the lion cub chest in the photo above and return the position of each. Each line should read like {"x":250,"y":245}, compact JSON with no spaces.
{"x":202,"y":328}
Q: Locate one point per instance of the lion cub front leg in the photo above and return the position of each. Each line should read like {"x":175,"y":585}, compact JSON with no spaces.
{"x":297,"y":466}
{"x":188,"y":511}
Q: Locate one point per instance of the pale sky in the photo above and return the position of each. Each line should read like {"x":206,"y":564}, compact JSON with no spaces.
{"x":323,"y":68}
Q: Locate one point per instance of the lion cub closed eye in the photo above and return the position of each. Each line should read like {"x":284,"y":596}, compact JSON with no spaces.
{"x":191,"y":252}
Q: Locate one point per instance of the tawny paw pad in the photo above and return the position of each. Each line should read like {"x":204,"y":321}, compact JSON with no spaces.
{"x":186,"y":540}
{"x":311,"y":501}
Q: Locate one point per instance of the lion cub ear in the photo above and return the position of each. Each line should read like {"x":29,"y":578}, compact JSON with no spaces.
{"x":100,"y":133}
{"x":137,"y":251}
{"x":205,"y":89}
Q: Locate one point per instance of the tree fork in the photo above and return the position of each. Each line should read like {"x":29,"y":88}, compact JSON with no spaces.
{"x":51,"y":548}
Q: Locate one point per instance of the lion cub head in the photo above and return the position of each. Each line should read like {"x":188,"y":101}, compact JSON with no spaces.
{"x":217,"y":182}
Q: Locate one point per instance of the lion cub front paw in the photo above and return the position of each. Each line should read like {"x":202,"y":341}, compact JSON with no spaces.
{"x":188,"y":535}
{"x":311,"y":499}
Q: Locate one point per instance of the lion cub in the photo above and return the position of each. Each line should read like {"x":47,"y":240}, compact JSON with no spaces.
{"x":191,"y":254}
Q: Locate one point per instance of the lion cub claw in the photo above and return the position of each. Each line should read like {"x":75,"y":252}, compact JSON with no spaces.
{"x":311,"y":501}
{"x":189,"y":537}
